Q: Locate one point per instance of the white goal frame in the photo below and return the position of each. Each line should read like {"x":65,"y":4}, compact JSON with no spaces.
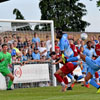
{"x":52,"y":35}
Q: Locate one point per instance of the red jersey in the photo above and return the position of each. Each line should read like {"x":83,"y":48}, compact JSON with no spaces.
{"x":97,"y":49}
{"x":68,"y":68}
{"x":57,"y":47}
{"x":75,"y":49}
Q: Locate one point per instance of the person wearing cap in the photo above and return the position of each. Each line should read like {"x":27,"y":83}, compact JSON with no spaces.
{"x":36,"y":54}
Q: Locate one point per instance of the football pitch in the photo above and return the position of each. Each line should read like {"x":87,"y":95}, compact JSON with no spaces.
{"x":50,"y":93}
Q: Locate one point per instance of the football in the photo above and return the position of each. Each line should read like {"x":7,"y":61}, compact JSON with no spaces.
{"x":84,"y":36}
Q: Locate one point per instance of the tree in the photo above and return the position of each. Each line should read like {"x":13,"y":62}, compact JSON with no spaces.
{"x":66,"y":14}
{"x":18,"y":14}
{"x":23,"y":26}
{"x":98,"y":3}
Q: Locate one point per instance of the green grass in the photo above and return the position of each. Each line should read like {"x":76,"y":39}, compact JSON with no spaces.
{"x":51,"y":93}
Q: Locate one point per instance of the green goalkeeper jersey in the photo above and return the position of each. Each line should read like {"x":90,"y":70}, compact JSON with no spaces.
{"x":5,"y":59}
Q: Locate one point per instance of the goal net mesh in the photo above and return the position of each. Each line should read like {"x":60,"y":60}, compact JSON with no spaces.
{"x":31,"y":51}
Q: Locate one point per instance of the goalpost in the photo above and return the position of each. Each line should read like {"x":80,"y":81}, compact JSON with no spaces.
{"x":26,"y":28}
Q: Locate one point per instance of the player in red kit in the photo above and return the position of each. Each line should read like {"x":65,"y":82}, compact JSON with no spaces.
{"x":74,"y":48}
{"x":61,"y":73}
{"x":97,"y":49}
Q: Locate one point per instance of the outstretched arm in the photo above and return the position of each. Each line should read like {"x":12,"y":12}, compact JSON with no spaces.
{"x":57,"y":62}
{"x":73,"y":59}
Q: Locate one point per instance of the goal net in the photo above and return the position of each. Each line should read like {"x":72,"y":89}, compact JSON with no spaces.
{"x":34,"y":41}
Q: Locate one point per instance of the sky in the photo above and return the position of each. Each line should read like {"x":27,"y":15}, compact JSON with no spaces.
{"x":30,"y":10}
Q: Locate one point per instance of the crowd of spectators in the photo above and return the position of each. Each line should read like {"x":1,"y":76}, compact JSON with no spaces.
{"x":36,"y":50}
{"x":27,"y":51}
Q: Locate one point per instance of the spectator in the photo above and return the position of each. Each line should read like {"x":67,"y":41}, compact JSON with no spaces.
{"x":43,"y":49}
{"x":57,"y":50}
{"x":56,"y":44}
{"x":91,"y":38}
{"x":26,"y":41}
{"x":33,"y":46}
{"x":37,"y":44}
{"x":29,"y":55}
{"x":9,"y":50}
{"x":18,"y":53}
{"x":48,"y":45}
{"x":5,"y":38}
{"x":35,"y":39}
{"x":36,"y":54}
{"x":14,"y":38}
{"x":94,"y":38}
{"x":13,"y":51}
{"x":93,"y":44}
{"x":43,"y":58}
{"x":16,"y":60}
{"x":82,"y":43}
{"x":24,"y":57}
{"x":9,"y":39}
{"x":29,"y":44}
{"x":78,"y":43}
{"x":20,"y":43}
{"x":0,"y":48}
{"x":1,"y":40}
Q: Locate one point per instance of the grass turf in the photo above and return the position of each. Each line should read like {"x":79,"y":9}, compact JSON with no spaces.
{"x":50,"y":93}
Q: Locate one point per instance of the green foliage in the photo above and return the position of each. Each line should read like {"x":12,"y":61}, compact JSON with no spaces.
{"x":98,"y":3}
{"x":20,"y":16}
{"x":67,"y":14}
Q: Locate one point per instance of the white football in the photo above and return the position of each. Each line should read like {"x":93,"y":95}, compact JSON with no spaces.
{"x":84,"y":36}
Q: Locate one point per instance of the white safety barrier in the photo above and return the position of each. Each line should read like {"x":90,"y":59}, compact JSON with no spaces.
{"x":2,"y":82}
{"x":31,"y":73}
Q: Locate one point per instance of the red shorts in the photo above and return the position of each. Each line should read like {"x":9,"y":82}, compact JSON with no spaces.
{"x":67,"y":68}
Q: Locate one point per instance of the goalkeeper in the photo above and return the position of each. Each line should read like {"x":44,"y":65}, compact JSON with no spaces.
{"x":5,"y":61}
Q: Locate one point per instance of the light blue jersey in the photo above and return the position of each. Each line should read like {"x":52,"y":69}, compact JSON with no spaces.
{"x":94,"y":65}
{"x":89,"y":53}
{"x":24,"y":58}
{"x":36,"y":56}
{"x":65,"y":46}
{"x":34,"y":40}
{"x":97,"y":61}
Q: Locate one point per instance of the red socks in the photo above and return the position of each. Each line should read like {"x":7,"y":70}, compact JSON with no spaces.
{"x":96,"y":75}
{"x":59,"y":78}
{"x":65,"y":80}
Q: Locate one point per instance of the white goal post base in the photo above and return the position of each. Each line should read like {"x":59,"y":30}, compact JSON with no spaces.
{"x":2,"y":82}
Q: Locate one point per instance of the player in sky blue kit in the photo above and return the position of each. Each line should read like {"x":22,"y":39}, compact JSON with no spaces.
{"x":90,"y":52}
{"x":93,"y":66}
{"x":65,"y":47}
